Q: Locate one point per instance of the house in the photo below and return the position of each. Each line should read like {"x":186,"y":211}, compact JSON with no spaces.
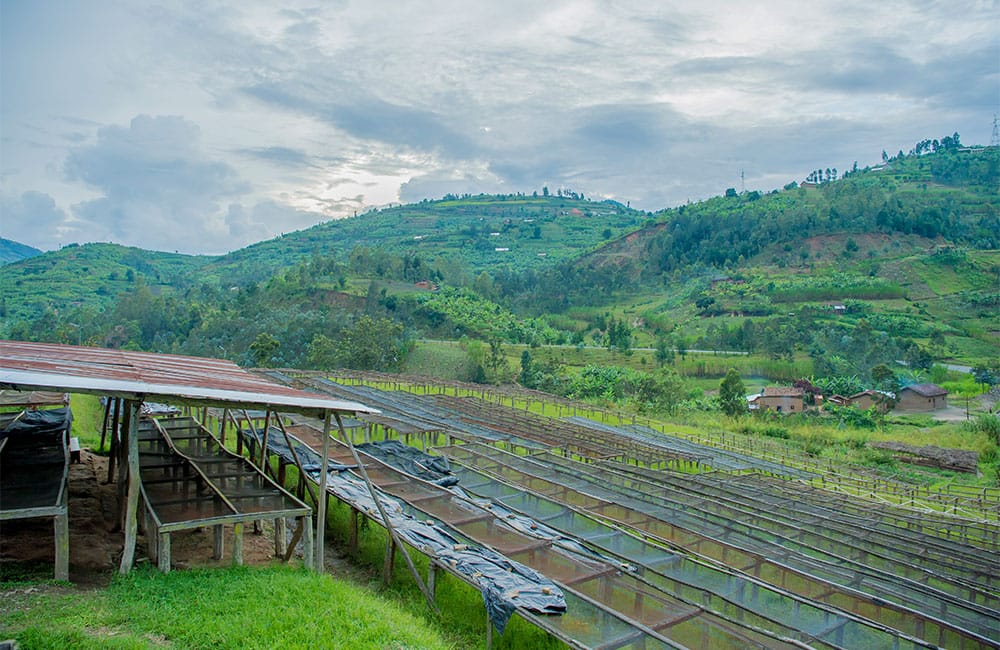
{"x":783,"y":399}
{"x":922,"y":397}
{"x":838,"y":400}
{"x":869,"y":398}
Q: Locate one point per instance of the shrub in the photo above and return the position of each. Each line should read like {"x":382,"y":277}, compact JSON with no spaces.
{"x":987,"y":423}
{"x":772,"y":431}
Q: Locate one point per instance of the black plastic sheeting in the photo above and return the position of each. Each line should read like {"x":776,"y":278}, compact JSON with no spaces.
{"x":434,"y":469}
{"x":39,"y":423}
{"x":505,"y":585}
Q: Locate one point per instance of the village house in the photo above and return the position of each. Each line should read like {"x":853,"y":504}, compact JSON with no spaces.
{"x":864,"y":400}
{"x":782,"y":399}
{"x":922,"y":397}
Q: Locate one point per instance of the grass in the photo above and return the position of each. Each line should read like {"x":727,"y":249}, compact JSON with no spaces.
{"x":240,"y":607}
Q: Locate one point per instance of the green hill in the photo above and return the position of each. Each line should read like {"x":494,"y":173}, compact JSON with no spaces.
{"x":461,"y":236}
{"x":90,"y":275}
{"x":12,"y":251}
{"x":908,"y":250}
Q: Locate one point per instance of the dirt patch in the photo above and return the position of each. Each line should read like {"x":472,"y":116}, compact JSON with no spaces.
{"x":958,"y":460}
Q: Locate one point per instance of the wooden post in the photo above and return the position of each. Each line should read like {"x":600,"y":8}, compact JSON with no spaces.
{"x":218,"y":541}
{"x":163,"y":562}
{"x":390,"y":560}
{"x":238,"y":544}
{"x":307,"y":541}
{"x":113,"y":444}
{"x":431,"y":577}
{"x":104,"y":426}
{"x":61,"y":527}
{"x":280,"y":541}
{"x":132,"y":500}
{"x":263,"y":443}
{"x":322,"y":496}
{"x":222,"y":426}
{"x":352,"y":539}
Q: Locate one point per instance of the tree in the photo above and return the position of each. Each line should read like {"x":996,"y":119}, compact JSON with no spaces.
{"x":529,"y":375}
{"x":987,"y":375}
{"x":664,"y":351}
{"x":496,"y":361}
{"x":263,"y":348}
{"x":659,"y":392}
{"x":884,"y":379}
{"x":732,"y":394}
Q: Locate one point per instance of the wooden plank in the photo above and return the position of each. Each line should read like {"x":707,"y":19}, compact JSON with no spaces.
{"x":280,"y":539}
{"x":61,"y":526}
{"x":238,"y":544}
{"x":132,"y":500}
{"x":218,"y":541}
{"x":321,"y":503}
{"x":163,"y":562}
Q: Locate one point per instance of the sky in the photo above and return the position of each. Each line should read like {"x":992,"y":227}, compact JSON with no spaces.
{"x":202,"y":127}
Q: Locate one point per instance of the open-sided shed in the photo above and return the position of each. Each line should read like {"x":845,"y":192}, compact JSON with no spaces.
{"x":138,"y":377}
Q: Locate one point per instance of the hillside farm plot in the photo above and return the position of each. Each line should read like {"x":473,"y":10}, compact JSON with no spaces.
{"x":759,"y":546}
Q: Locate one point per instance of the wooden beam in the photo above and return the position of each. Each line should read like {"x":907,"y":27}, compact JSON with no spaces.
{"x":163,"y":561}
{"x":132,"y":494}
{"x":322,"y":495}
{"x":238,"y":544}
{"x":219,"y":541}
{"x":61,"y":526}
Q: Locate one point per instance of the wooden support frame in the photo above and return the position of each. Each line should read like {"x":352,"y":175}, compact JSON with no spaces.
{"x":132,"y":493}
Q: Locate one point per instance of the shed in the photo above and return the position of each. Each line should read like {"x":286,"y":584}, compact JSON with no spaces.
{"x":783,"y":399}
{"x":137,"y":377}
{"x":922,"y":397}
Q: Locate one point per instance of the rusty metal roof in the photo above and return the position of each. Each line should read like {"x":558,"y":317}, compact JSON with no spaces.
{"x":155,"y":377}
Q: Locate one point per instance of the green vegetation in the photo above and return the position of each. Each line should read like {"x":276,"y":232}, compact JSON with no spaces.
{"x":218,"y":608}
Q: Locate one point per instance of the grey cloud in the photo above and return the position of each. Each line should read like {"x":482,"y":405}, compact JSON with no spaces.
{"x":157,"y":184}
{"x":283,"y":156}
{"x":152,"y":158}
{"x":33,"y":218}
{"x":368,"y":118}
{"x":718,"y":65}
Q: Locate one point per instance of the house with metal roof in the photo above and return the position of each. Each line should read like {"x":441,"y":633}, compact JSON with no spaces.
{"x":922,"y":397}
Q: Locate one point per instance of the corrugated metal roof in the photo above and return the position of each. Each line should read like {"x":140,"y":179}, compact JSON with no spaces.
{"x":926,"y":390}
{"x":156,"y":377}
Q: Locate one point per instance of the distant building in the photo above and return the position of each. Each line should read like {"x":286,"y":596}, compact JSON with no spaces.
{"x":864,"y":400}
{"x":922,"y":397}
{"x":782,"y":399}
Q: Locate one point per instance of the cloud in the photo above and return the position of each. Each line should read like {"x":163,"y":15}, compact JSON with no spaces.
{"x":281,"y":156}
{"x":158,"y":185}
{"x":33,"y":218}
{"x":365,"y":117}
{"x":259,"y":222}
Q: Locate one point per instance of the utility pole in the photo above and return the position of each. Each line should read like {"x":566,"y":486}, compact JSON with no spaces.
{"x":743,"y":185}
{"x":995,"y":139}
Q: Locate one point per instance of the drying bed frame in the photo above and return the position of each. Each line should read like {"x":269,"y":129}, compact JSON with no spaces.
{"x":189,"y":480}
{"x":34,"y":472}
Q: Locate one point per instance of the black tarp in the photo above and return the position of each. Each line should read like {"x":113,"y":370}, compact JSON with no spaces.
{"x":38,"y":423}
{"x":411,"y":460}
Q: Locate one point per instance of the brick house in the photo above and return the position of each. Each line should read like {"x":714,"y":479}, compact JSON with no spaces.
{"x":782,"y":399}
{"x":922,"y":397}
